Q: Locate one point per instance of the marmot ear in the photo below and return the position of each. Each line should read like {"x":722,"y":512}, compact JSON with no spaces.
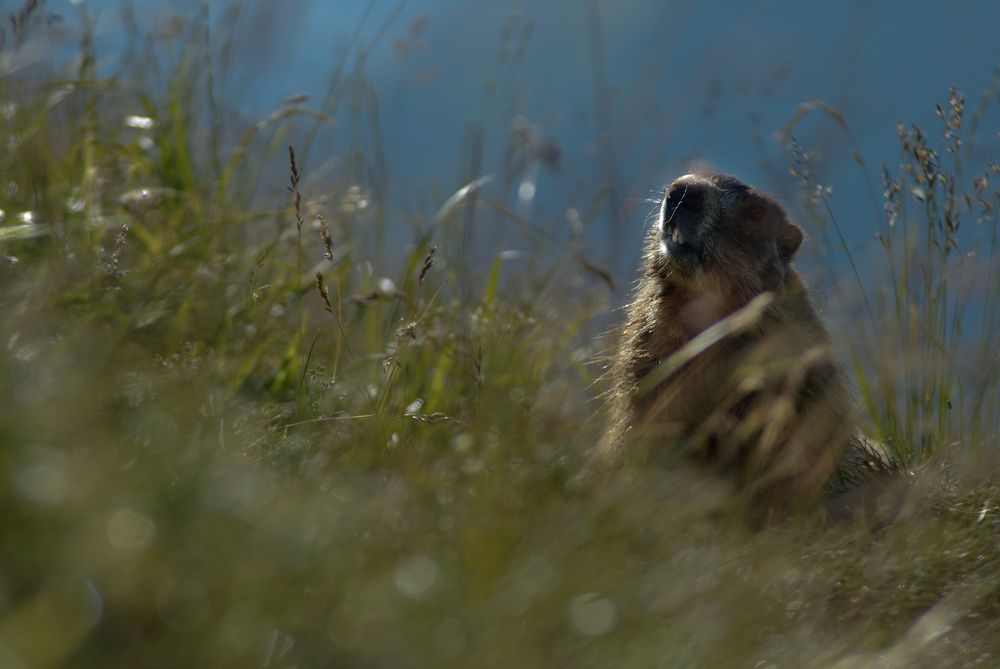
{"x":789,"y":239}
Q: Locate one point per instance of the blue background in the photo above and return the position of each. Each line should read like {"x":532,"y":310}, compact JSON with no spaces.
{"x":685,"y":81}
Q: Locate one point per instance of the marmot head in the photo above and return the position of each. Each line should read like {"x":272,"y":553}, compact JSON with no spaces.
{"x":717,"y":234}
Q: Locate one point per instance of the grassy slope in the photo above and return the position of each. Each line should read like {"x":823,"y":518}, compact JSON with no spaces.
{"x":205,"y":465}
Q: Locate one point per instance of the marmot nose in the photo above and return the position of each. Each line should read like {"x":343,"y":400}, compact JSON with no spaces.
{"x":684,"y":197}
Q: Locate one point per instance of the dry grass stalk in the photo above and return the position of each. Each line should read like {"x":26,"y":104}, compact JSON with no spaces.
{"x":324,"y":292}
{"x":428,"y":263}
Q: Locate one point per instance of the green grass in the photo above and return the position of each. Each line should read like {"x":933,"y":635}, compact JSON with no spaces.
{"x":211,"y":459}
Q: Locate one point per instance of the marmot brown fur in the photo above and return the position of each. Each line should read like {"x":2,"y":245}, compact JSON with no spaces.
{"x":723,"y":353}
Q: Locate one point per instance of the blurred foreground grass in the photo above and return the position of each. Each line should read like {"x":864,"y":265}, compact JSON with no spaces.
{"x":210,"y":457}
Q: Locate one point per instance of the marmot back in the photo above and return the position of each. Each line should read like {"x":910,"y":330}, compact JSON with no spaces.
{"x":724,"y":355}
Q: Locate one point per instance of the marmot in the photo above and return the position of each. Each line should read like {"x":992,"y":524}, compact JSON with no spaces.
{"x":723,"y":353}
